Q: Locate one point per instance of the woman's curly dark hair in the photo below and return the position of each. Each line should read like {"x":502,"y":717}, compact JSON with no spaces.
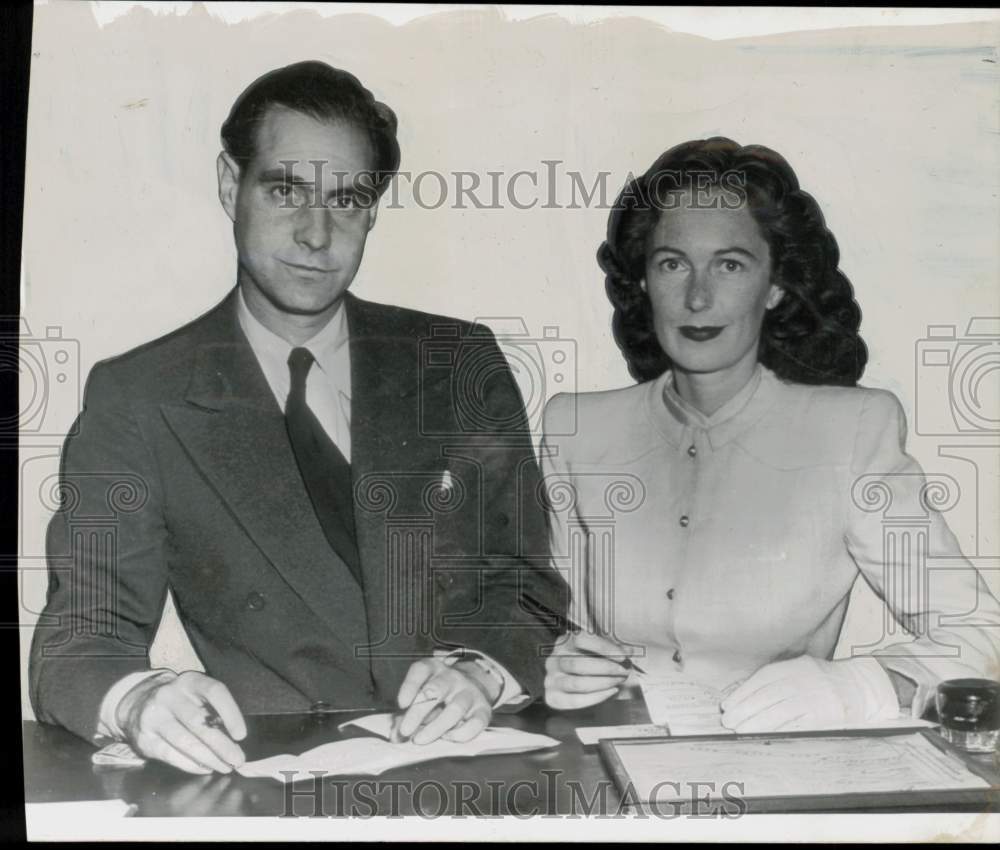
{"x":811,"y":336}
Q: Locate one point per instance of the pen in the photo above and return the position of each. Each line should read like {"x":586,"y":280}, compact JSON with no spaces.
{"x":627,"y":664}
{"x":564,"y":624}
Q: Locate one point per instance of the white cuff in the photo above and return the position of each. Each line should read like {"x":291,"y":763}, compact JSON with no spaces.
{"x":878,"y":696}
{"x":107,"y":719}
{"x":511,"y":691}
{"x":925,"y":681}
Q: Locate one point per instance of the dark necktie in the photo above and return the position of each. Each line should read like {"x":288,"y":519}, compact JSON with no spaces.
{"x":325,"y":471}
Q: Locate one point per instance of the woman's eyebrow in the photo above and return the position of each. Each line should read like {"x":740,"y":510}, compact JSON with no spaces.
{"x":666,"y":249}
{"x":735,"y":249}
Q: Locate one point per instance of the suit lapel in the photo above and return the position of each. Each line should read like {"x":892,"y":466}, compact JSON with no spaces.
{"x":232,"y":428}
{"x":384,"y":441}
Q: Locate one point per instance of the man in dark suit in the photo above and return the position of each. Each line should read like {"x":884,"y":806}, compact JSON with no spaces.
{"x":341,"y":496}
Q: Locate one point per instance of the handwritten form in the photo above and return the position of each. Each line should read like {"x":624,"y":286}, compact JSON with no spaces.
{"x":687,"y":707}
{"x":371,"y":756}
{"x":683,"y":705}
{"x":777,"y":767}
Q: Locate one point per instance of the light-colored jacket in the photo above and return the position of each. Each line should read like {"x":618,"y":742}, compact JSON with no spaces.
{"x":721,"y":544}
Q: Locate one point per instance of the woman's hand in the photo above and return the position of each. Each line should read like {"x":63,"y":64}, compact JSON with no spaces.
{"x":810,"y":693}
{"x":584,"y":670}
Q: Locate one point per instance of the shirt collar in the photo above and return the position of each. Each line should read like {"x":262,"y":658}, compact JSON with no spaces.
{"x":327,"y":345}
{"x":672,"y":415}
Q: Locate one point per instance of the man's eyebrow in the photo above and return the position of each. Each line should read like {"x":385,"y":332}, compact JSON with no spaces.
{"x":281,"y":175}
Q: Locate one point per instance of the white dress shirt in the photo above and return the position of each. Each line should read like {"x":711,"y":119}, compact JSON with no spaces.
{"x":328,"y":395}
{"x":328,"y":384}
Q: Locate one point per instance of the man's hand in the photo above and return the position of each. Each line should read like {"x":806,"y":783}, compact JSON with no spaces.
{"x":810,"y":693}
{"x":583,"y":670}
{"x":453,"y":702}
{"x":167,"y":719}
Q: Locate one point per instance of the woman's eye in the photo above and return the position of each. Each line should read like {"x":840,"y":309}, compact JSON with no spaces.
{"x":732,"y":265}
{"x":671,"y":265}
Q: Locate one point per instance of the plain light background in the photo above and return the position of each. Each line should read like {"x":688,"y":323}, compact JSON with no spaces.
{"x":893,"y":129}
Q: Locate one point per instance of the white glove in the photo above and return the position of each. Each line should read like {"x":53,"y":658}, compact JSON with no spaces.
{"x":809,"y":693}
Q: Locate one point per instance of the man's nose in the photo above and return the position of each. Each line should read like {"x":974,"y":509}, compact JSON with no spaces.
{"x":698,"y":296}
{"x":313,"y":227}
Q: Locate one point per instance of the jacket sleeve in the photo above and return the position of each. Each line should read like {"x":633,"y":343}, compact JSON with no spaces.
{"x":520,"y":596}
{"x":905,"y":550}
{"x":568,"y":544}
{"x":106,"y":564}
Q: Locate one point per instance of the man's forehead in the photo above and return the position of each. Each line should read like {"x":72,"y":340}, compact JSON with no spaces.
{"x":293,"y":141}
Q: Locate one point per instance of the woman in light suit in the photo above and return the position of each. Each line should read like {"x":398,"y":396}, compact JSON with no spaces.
{"x":715,"y":516}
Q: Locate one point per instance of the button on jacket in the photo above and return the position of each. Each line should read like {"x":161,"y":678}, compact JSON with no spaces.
{"x":723,"y":543}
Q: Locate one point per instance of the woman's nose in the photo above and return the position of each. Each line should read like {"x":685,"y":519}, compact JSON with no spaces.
{"x":698,"y":296}
{"x":313,"y":227}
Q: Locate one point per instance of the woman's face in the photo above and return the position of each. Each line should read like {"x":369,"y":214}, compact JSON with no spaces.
{"x":708,"y":276}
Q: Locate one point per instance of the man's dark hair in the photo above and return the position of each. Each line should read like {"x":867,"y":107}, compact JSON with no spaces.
{"x":811,"y":336}
{"x":324,"y":93}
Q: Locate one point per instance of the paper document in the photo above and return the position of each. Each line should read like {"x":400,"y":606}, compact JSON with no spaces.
{"x":687,"y":707}
{"x":371,"y":756}
{"x":589,"y":735}
{"x":770,"y":767}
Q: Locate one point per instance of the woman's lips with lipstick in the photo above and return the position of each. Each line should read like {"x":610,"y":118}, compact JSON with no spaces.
{"x":701,"y":334}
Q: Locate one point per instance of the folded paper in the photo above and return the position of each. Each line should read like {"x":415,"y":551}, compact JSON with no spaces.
{"x":371,"y":756}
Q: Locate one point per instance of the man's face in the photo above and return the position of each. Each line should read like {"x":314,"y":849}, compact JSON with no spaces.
{"x":300,"y":213}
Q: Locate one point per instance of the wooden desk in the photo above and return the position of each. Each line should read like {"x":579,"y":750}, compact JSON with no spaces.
{"x":567,"y":780}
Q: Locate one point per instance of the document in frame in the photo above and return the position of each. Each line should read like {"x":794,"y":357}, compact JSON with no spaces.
{"x":802,"y":766}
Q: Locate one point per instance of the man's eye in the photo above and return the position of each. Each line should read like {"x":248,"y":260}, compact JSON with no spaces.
{"x":283,"y":192}
{"x":343,"y":202}
{"x":671,"y":265}
{"x":732,"y":265}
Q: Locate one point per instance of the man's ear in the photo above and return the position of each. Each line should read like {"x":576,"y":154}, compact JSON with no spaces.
{"x":372,"y":214}
{"x":229,"y":183}
{"x":774,"y":296}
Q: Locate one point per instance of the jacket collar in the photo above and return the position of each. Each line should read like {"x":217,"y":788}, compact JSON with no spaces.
{"x":226,"y":372}
{"x":675,"y":419}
